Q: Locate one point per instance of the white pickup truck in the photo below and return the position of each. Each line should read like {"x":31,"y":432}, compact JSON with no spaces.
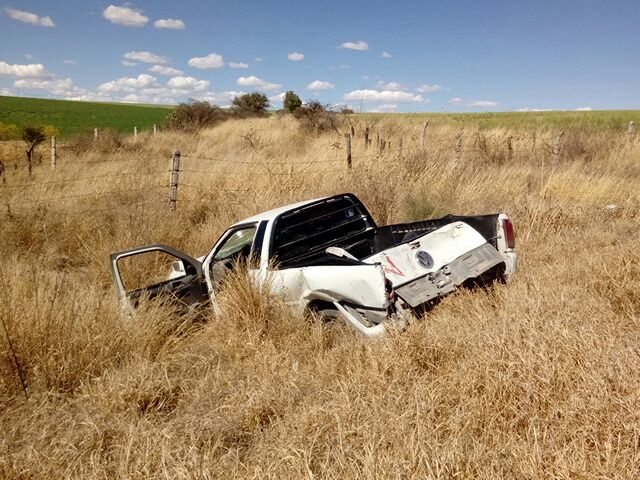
{"x":328,"y":256}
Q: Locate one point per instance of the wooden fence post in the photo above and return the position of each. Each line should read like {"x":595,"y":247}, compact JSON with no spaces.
{"x":347,"y":138}
{"x":135,"y":131}
{"x":459,"y":146}
{"x":155,"y":130}
{"x":175,"y":175}
{"x":4,"y":179}
{"x":366,"y":137}
{"x":632,"y":132}
{"x":54,"y":155}
{"x":509,"y":148}
{"x":353,"y":132}
{"x":424,"y":135}
{"x":557,"y":148}
{"x":95,"y":134}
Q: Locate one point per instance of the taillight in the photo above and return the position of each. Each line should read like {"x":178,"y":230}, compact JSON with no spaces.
{"x":509,"y":234}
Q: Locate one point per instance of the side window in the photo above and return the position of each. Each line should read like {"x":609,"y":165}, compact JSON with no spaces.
{"x":237,"y":245}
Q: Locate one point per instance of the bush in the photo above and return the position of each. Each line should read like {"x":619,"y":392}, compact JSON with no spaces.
{"x":291,"y":102}
{"x":9,"y":131}
{"x":195,"y":115}
{"x":108,"y":141}
{"x":251,"y":105}
{"x":314,"y":116}
{"x":51,"y":131}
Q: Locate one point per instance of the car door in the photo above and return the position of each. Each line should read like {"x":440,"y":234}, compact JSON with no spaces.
{"x":176,"y":277}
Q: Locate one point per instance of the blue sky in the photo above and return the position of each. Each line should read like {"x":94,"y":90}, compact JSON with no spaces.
{"x":404,"y":55}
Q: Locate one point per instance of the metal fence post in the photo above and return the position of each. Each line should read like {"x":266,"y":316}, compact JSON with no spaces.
{"x":347,"y":138}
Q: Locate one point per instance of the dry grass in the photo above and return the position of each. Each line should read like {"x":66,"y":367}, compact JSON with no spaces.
{"x":534,"y":379}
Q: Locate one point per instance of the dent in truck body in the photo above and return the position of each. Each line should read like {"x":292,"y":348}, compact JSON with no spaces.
{"x":330,"y":252}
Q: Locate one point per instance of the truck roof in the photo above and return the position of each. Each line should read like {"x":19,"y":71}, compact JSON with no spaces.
{"x":272,"y":214}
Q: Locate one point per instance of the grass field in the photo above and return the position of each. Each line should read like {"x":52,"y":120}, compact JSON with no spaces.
{"x":537,"y":378}
{"x":71,"y":117}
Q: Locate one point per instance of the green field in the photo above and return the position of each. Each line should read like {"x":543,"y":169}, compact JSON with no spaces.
{"x":601,"y":120}
{"x":71,"y":117}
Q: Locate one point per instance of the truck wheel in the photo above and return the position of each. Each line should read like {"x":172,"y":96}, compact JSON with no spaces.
{"x":329,"y":314}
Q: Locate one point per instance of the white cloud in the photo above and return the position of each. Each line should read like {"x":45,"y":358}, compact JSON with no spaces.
{"x":69,"y":62}
{"x":188,"y":83}
{"x":383,"y":96}
{"x":482,"y":104}
{"x":426,"y":88}
{"x":129,"y":17}
{"x":221,"y":97}
{"x":385,"y":54}
{"x":295,"y":56}
{"x":527,"y":109}
{"x":279,"y":98}
{"x":33,"y":70}
{"x":163,"y":70}
{"x":456,"y":101}
{"x":583,"y":109}
{"x":6,"y":92}
{"x":213,"y":60}
{"x":238,"y":65}
{"x":127,"y":63}
{"x":320,"y":85}
{"x":254,"y":81}
{"x":145,"y":57}
{"x":359,"y":45}
{"x":393,"y":86}
{"x":385,"y":108}
{"x":30,"y":18}
{"x":169,"y":24}
{"x":128,"y":84}
{"x":60,"y":87}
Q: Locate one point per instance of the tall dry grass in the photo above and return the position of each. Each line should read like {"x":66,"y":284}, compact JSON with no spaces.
{"x":534,"y":379}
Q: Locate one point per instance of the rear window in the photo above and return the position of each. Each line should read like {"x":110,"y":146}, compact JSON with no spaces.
{"x":318,"y":226}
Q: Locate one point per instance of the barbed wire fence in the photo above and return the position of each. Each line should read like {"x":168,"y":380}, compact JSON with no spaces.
{"x":144,"y":182}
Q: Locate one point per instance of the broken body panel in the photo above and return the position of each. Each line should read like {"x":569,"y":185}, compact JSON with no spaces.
{"x":330,"y":255}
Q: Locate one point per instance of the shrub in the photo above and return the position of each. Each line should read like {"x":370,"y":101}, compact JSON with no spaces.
{"x":51,"y":131}
{"x":314,"y":116}
{"x":108,"y":141}
{"x":291,"y":102}
{"x":253,"y":104}
{"x":9,"y":131}
{"x":195,"y":115}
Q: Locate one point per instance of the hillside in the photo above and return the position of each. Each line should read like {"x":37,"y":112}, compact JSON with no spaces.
{"x":71,"y":117}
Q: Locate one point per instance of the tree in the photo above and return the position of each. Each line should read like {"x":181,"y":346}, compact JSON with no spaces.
{"x":33,"y":136}
{"x":291,"y":102}
{"x":253,"y":104}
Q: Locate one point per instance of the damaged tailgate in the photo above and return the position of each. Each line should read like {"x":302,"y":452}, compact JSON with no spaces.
{"x":434,"y":264}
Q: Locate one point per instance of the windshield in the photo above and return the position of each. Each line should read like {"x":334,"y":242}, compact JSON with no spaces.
{"x":237,"y":244}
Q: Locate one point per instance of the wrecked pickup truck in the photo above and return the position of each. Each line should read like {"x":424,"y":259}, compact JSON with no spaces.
{"x":328,"y":256}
